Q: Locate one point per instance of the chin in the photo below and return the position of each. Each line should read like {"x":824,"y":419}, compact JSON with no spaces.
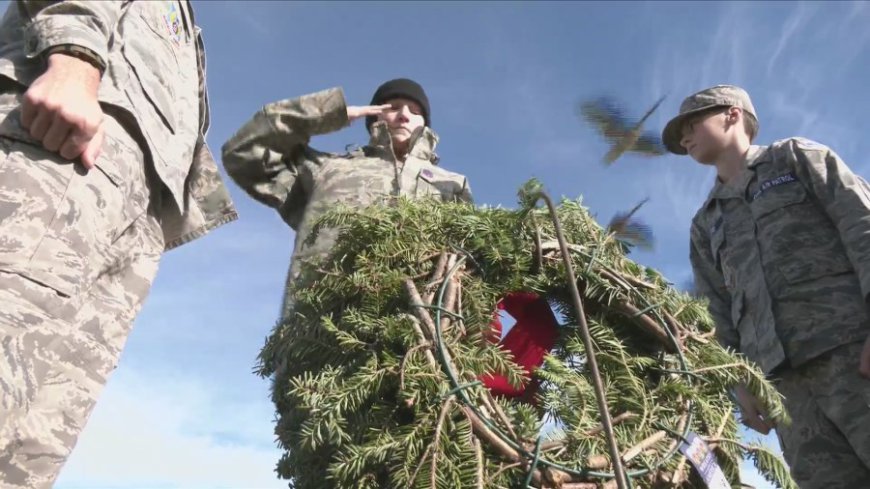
{"x":701,"y":157}
{"x":705,"y":160}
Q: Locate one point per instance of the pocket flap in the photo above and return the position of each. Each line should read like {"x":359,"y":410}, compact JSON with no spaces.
{"x":770,"y":198}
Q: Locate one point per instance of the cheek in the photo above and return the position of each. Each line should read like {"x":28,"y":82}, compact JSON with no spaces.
{"x":416,"y":121}
{"x":703,"y":135}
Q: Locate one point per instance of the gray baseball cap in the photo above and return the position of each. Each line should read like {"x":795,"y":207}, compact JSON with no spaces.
{"x":718,"y":96}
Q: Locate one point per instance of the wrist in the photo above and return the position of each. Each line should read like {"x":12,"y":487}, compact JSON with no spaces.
{"x":66,"y":52}
{"x":72,"y":68}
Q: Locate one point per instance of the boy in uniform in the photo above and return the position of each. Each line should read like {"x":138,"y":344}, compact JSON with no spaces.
{"x":781,"y":248}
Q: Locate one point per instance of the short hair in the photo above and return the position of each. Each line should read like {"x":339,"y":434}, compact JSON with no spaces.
{"x":750,"y":125}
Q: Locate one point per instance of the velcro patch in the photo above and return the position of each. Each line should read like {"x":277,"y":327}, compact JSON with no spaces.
{"x":774,"y":182}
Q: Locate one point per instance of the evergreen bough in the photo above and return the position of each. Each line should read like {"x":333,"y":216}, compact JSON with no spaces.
{"x":376,"y":370}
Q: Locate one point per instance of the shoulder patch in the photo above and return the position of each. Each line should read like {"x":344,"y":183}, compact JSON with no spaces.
{"x":766,"y":185}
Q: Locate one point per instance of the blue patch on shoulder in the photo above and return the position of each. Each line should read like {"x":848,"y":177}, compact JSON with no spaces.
{"x":774,"y":182}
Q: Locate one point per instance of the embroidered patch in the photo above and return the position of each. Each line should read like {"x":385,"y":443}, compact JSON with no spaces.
{"x":774,"y":182}
{"x":172,"y":20}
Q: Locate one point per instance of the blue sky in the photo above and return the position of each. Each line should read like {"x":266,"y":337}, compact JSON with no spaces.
{"x":183,"y":410}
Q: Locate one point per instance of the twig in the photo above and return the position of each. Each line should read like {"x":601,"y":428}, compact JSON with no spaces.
{"x":600,"y":395}
{"x":477,"y":424}
{"x":677,"y":328}
{"x":611,"y":273}
{"x":423,"y":338}
{"x":597,"y":462}
{"x":717,"y":367}
{"x":647,"y":324}
{"x":618,"y":419}
{"x":460,"y":318}
{"x":420,"y":465}
{"x":539,"y":250}
{"x":594,"y":431}
{"x":500,"y":445}
{"x":428,"y":257}
{"x":478,"y":455}
{"x":613,"y":277}
{"x":425,"y":344}
{"x":421,"y":313}
{"x":437,"y":275}
{"x":449,"y":301}
{"x":504,"y":468}
{"x":681,"y":425}
{"x":491,"y":403}
{"x":717,"y":441}
{"x":643,"y":445}
{"x":441,"y":417}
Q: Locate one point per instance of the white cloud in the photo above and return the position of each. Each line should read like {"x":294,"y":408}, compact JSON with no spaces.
{"x":789,"y":28}
{"x":152,"y":430}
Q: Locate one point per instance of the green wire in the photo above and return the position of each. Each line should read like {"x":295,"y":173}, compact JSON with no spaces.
{"x":460,"y":389}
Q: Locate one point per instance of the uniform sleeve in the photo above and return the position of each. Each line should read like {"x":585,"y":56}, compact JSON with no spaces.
{"x":710,"y":283}
{"x":263,"y":157}
{"x":843,"y":196}
{"x":88,"y":24}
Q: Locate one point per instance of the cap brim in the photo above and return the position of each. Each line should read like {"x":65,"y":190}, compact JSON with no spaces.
{"x":673,"y":132}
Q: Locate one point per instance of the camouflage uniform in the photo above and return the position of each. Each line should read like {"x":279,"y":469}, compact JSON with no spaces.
{"x":79,"y":249}
{"x":783,"y":254}
{"x":270,"y":159}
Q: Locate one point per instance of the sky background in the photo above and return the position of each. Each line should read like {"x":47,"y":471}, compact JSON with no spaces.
{"x":184,"y":410}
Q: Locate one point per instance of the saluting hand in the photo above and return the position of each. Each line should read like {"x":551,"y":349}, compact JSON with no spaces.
{"x":60,"y":109}
{"x":354,"y":112}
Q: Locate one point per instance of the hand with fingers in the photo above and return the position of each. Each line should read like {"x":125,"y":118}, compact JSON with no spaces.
{"x":752,"y":411}
{"x":355,"y":112}
{"x":61,"y":110}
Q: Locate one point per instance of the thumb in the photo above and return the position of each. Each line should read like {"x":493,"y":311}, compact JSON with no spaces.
{"x":93,"y":150}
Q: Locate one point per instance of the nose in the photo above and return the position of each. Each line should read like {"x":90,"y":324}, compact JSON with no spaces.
{"x":404,"y":113}
{"x":685,"y":139}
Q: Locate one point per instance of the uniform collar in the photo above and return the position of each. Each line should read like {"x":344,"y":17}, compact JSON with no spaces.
{"x":754,"y":156}
{"x":423,"y":142}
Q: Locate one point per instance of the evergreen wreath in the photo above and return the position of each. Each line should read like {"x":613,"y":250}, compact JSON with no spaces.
{"x":376,"y":372}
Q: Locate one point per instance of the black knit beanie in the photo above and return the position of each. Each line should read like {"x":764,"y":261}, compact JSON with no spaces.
{"x":400,"y":87}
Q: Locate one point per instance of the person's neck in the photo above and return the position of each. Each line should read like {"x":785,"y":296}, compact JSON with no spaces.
{"x":400,"y":151}
{"x":732,"y":161}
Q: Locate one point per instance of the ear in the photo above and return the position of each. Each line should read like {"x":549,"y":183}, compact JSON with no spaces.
{"x":734,"y":115}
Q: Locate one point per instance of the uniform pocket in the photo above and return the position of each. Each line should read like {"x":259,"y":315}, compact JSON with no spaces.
{"x":151,"y":55}
{"x":58,"y":220}
{"x":779,"y":198}
{"x":32,"y":190}
{"x":445,"y":187}
{"x":799,"y":269}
